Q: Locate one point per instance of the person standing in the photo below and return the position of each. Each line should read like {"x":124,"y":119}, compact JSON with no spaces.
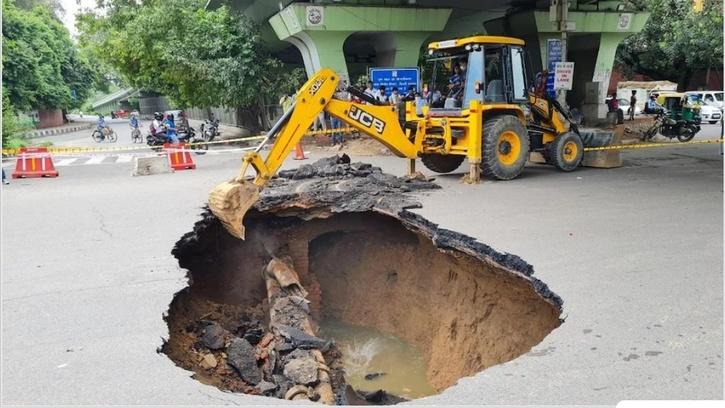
{"x":395,"y":97}
{"x":410,"y":95}
{"x":632,"y":103}
{"x":5,"y":179}
{"x":382,"y":97}
{"x":369,"y":91}
{"x":336,"y":123}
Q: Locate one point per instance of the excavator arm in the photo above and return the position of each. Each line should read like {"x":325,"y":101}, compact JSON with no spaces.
{"x":231,"y":200}
{"x":317,"y":96}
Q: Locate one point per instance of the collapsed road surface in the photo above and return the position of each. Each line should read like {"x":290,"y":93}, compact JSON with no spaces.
{"x":359,"y":256}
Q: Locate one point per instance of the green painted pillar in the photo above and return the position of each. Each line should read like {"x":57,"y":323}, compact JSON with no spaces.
{"x":328,"y":45}
{"x":608,"y":44}
{"x":319,"y":31}
{"x":407,"y":48}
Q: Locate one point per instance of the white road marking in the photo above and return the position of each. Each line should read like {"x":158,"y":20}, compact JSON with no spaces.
{"x":65,"y":162}
{"x":124,"y":158}
{"x":95,"y":160}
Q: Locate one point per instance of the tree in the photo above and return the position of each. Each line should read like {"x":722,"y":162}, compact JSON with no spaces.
{"x":197,"y":57}
{"x":41,"y":66}
{"x":676,"y":41}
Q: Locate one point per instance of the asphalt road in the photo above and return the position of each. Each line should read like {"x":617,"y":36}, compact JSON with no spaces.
{"x":635,"y":252}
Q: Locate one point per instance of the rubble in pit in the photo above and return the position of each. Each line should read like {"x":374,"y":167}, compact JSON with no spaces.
{"x":362,"y":258}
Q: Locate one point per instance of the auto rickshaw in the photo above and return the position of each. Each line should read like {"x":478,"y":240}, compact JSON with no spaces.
{"x":680,"y":118}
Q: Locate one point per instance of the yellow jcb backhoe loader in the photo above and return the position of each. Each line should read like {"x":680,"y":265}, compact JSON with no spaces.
{"x":483,"y":113}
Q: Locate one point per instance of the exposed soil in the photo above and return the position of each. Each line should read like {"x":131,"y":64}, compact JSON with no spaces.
{"x":364,"y":259}
{"x":360,"y":146}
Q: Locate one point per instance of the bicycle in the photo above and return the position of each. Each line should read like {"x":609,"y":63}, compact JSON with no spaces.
{"x":107,"y":134}
{"x":136,"y":135}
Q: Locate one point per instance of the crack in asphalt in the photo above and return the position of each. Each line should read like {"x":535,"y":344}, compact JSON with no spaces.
{"x":101,"y":221}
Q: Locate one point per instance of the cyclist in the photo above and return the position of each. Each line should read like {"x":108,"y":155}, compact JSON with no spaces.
{"x":135,"y":132}
{"x":101,"y":125}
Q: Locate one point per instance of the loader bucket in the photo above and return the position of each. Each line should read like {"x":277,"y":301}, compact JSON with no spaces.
{"x":230,"y":201}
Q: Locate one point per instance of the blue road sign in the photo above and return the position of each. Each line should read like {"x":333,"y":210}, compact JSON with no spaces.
{"x":553,"y":55}
{"x":401,"y":78}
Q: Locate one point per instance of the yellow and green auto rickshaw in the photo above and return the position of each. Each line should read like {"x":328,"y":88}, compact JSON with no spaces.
{"x":679,"y":117}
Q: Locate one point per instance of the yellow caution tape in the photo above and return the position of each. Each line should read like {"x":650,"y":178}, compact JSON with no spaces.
{"x":652,"y":145}
{"x":72,"y":150}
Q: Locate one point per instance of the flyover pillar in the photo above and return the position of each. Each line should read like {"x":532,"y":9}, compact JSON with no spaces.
{"x":320,"y":31}
{"x":592,"y":43}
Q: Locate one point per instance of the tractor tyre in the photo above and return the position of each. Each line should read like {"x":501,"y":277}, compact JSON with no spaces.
{"x":566,"y":151}
{"x":505,"y":147}
{"x":441,"y":163}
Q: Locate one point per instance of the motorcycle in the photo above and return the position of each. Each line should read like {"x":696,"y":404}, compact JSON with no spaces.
{"x":158,"y":139}
{"x":209,"y":129}
{"x":185,"y":132}
{"x":676,"y":118}
{"x":665,"y":125}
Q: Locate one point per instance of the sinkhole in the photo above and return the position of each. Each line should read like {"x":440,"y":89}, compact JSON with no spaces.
{"x":341,"y":304}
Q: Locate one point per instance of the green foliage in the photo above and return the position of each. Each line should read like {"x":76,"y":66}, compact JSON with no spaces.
{"x":16,"y":142}
{"x":12,"y":124}
{"x":9,"y":122}
{"x":676,"y":41}
{"x":198,"y":57}
{"x":41,"y":66}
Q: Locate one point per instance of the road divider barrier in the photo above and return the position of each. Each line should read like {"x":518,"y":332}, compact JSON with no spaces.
{"x":179,"y":156}
{"x":34,"y":162}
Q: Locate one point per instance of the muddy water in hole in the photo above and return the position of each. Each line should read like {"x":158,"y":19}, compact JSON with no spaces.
{"x":366,"y":350}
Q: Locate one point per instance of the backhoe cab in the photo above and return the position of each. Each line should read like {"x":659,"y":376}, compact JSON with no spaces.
{"x":480,"y":108}
{"x":477,"y":106}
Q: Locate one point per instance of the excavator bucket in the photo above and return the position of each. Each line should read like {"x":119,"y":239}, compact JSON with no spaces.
{"x":230,"y":201}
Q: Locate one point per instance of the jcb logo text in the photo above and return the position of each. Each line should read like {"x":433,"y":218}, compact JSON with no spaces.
{"x":366,"y":119}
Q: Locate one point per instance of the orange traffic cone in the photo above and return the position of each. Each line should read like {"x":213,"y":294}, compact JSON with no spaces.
{"x":299,"y":153}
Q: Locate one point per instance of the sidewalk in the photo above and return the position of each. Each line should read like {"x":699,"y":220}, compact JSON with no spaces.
{"x":71,"y":127}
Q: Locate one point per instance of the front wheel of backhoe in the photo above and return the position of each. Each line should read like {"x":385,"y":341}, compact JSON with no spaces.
{"x":505,"y":147}
{"x":441,"y":163}
{"x":566,"y":151}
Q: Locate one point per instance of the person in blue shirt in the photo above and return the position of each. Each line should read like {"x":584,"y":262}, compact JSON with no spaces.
{"x":135,"y":132}
{"x":171,"y":129}
{"x":101,"y":124}
{"x":133,"y":122}
{"x":652,"y":106}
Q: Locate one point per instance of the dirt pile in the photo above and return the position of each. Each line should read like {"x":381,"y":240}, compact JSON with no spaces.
{"x":362,"y":258}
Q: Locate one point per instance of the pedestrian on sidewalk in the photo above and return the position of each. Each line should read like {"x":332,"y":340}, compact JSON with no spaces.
{"x":632,"y":103}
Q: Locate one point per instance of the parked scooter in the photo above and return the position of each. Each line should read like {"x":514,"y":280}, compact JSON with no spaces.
{"x":209,"y":129}
{"x":185,"y":132}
